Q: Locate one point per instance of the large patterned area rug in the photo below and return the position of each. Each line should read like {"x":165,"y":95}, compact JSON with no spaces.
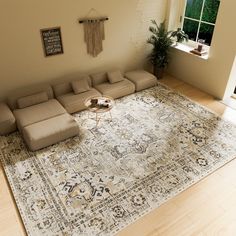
{"x":158,"y":144}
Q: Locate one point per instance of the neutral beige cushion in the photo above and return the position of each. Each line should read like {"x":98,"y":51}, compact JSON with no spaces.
{"x":7,"y":120}
{"x":116,"y":90}
{"x":80,"y":85}
{"x":75,"y":102}
{"x":99,"y":78}
{"x":32,"y":100}
{"x":115,"y":76}
{"x":142,"y":79}
{"x":62,"y":88}
{"x":39,"y":112}
{"x":51,"y":131}
{"x":23,"y":92}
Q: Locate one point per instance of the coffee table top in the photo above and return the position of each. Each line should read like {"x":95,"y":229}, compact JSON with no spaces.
{"x":99,"y":104}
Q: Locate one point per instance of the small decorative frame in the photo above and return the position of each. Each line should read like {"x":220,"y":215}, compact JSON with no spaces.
{"x":52,"y":41}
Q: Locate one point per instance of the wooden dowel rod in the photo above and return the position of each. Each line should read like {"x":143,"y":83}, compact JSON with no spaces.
{"x":102,"y":19}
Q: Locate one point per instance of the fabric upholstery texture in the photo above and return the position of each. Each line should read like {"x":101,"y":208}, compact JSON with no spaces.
{"x":99,"y":78}
{"x":116,"y":90}
{"x":32,"y":100}
{"x":50,"y":131}
{"x":64,"y":88}
{"x":142,"y":79}
{"x":80,"y":85}
{"x":37,"y":113}
{"x":115,"y":76}
{"x":61,"y":89}
{"x":14,"y":96}
{"x":75,"y":102}
{"x":7,"y":120}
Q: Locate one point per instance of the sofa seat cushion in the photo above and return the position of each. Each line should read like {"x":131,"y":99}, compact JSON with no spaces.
{"x":75,"y":102}
{"x":116,"y":90}
{"x":37,"y":113}
{"x":7,"y":120}
{"x":50,"y":131}
{"x":142,"y":79}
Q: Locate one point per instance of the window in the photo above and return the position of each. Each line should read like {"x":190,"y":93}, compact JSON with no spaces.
{"x":199,"y":19}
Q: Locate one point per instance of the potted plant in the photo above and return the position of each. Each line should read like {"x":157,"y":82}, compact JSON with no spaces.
{"x":180,"y":36}
{"x":161,"y":41}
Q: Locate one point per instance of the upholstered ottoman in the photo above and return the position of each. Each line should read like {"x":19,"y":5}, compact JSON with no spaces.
{"x":50,"y":131}
{"x":45,"y":124}
{"x":7,"y":120}
{"x":142,"y":79}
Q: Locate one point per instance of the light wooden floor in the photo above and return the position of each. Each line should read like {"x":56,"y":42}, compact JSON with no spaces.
{"x":206,"y":209}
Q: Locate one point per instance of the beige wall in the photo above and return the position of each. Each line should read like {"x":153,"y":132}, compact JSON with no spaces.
{"x":22,"y":60}
{"x":211,"y":75}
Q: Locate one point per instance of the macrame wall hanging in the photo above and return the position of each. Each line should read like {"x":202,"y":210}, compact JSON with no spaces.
{"x":94,"y":33}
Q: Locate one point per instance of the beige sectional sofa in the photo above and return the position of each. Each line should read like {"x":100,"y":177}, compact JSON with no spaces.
{"x":43,"y":120}
{"x":71,"y":101}
{"x":40,"y":118}
{"x":142,"y":79}
{"x":7,"y":120}
{"x":112,"y":84}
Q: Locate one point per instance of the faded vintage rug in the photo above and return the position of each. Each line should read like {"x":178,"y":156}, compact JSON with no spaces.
{"x":158,"y":144}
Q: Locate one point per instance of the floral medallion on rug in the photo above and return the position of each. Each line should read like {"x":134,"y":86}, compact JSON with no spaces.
{"x":157,"y":144}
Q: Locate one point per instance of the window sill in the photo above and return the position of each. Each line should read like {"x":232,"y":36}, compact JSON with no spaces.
{"x":187,"y":48}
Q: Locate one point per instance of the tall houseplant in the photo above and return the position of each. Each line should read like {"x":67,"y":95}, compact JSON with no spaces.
{"x":161,"y":41}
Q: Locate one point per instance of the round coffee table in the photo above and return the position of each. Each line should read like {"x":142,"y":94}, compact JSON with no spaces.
{"x":99,"y":105}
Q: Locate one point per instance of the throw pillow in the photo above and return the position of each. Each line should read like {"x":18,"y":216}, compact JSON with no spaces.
{"x":80,"y":85}
{"x":115,"y":76}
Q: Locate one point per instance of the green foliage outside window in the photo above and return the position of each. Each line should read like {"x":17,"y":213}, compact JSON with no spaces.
{"x":209,"y":14}
{"x":210,"y":11}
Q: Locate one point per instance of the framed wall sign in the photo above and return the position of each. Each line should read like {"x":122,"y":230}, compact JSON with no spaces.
{"x":52,"y":41}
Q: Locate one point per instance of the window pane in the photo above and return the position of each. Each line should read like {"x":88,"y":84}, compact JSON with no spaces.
{"x":210,"y":10}
{"x":205,"y":33}
{"x":193,"y":9}
{"x":190,"y":27}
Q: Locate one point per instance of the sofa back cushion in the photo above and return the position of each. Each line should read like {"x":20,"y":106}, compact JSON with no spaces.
{"x":80,"y":85}
{"x":64,"y":88}
{"x":115,"y":76}
{"x":61,"y":89}
{"x":27,"y":91}
{"x":32,"y":100}
{"x":99,"y":78}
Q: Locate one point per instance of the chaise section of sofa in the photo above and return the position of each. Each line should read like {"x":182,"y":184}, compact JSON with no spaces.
{"x":72,"y":101}
{"x":40,"y":118}
{"x":112,"y":84}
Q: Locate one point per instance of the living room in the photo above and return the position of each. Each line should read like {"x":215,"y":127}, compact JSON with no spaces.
{"x":94,"y":141}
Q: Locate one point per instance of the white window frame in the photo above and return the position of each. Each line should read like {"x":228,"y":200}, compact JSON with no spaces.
{"x":182,"y":17}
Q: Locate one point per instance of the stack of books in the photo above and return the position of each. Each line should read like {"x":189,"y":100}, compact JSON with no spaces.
{"x":199,"y":53}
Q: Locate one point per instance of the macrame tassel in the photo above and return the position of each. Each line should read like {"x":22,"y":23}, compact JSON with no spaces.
{"x":102,"y":29}
{"x":93,"y":35}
